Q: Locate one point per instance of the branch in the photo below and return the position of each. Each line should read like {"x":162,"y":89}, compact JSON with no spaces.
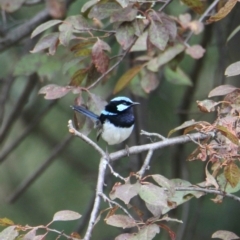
{"x":208,"y":190}
{"x":146,"y":162}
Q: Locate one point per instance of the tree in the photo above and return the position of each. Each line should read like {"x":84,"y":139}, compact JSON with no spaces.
{"x":139,"y":47}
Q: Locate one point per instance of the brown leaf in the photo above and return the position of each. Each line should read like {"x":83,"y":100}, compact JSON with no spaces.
{"x":149,"y":81}
{"x":78,"y":77}
{"x":207,"y":105}
{"x":99,"y":57}
{"x":126,"y":78}
{"x":53,"y":91}
{"x":225,"y":235}
{"x":232,"y":174}
{"x":127,"y":14}
{"x":223,"y":12}
{"x":195,"y":51}
{"x":183,"y":126}
{"x":225,"y":131}
{"x":222,"y":90}
{"x":196,"y":5}
{"x":210,"y":180}
{"x":120,"y":220}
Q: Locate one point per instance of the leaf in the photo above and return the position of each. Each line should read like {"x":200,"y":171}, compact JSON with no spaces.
{"x":149,"y":81}
{"x":147,"y":232}
{"x":123,"y":3}
{"x":195,"y":51}
{"x":222,"y":90}
{"x":9,"y":233}
{"x":183,"y":126}
{"x":30,"y":235}
{"x":196,"y":5}
{"x":78,"y":77}
{"x":225,"y":131}
{"x":207,"y":105}
{"x":165,"y":57}
{"x":125,"y":35}
{"x":125,"y":192}
{"x":88,"y":4}
{"x":104,"y":10}
{"x":66,"y":33}
{"x":53,"y":91}
{"x":45,"y":26}
{"x":158,"y":35}
{"x":210,"y":179}
{"x":11,"y":6}
{"x":177,"y":76}
{"x":127,"y":14}
{"x":155,"y":210}
{"x":153,"y":195}
{"x":233,"y":33}
{"x":99,"y":57}
{"x":232,"y":174}
{"x":6,"y":222}
{"x":77,"y":22}
{"x":225,"y":235}
{"x":141,"y":43}
{"x":233,"y":69}
{"x":122,"y":221}
{"x":124,"y":236}
{"x":164,"y":182}
{"x":47,"y":41}
{"x":126,"y":78}
{"x":223,"y":12}
{"x":224,"y":184}
{"x":66,"y":215}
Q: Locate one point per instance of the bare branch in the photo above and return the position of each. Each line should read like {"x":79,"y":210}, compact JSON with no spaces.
{"x":146,"y":162}
{"x":152,"y":134}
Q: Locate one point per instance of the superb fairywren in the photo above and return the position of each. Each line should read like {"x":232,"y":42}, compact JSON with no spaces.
{"x":115,"y":122}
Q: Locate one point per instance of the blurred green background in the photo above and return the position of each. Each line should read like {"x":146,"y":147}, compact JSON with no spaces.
{"x":67,"y":180}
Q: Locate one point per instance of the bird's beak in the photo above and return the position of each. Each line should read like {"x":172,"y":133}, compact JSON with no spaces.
{"x":135,"y":103}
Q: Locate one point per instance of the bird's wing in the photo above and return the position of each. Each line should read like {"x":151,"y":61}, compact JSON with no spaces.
{"x":85,"y":112}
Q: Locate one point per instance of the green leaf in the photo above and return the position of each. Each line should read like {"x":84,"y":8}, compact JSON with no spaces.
{"x":177,"y":77}
{"x":11,"y":6}
{"x":158,"y":35}
{"x":66,"y":215}
{"x":126,"y":78}
{"x":225,"y":186}
{"x":45,"y":26}
{"x":149,"y":81}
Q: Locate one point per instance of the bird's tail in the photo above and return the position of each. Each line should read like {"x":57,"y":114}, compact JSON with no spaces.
{"x":85,"y":112}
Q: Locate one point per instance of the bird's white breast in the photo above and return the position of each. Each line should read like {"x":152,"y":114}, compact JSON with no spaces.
{"x":114,"y":135}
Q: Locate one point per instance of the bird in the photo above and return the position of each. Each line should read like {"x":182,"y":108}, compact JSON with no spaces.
{"x":116,"y":121}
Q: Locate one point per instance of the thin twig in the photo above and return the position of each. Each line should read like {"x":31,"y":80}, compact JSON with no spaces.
{"x":146,"y":162}
{"x":152,"y":134}
{"x":209,"y":9}
{"x":115,"y":174}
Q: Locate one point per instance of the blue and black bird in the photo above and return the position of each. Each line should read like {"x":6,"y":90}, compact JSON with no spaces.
{"x":115,"y":122}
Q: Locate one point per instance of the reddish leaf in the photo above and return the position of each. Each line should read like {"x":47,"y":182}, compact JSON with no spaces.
{"x":233,"y":69}
{"x":127,"y":14}
{"x":210,"y":179}
{"x":54,"y":91}
{"x":223,"y":12}
{"x":222,"y":90}
{"x":225,"y":235}
{"x":122,"y":221}
{"x":99,"y":57}
{"x":196,"y":5}
{"x":48,"y":41}
{"x":126,"y":78}
{"x":232,"y":174}
{"x":104,"y":10}
{"x":125,"y":34}
{"x":44,"y":27}
{"x":66,"y":215}
{"x":158,"y":35}
{"x":195,"y":51}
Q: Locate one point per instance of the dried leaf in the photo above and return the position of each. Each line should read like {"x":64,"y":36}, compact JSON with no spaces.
{"x":147,"y":232}
{"x":210,"y":180}
{"x":225,"y":131}
{"x":126,"y":78}
{"x":222,"y":90}
{"x":78,"y":77}
{"x":122,"y":221}
{"x":45,"y":26}
{"x":223,"y":12}
{"x":158,"y":35}
{"x":182,"y":126}
{"x":149,"y":81}
{"x":195,"y":51}
{"x":207,"y":105}
{"x":196,"y":5}
{"x":6,"y":222}
{"x":124,"y":236}
{"x":9,"y":233}
{"x":127,"y":14}
{"x":99,"y":57}
{"x":233,"y":69}
{"x":66,"y":215}
{"x":225,"y":235}
{"x":47,"y":41}
{"x":53,"y":91}
{"x":30,"y":235}
{"x":223,"y":183}
{"x":125,"y":34}
{"x":232,"y":174}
